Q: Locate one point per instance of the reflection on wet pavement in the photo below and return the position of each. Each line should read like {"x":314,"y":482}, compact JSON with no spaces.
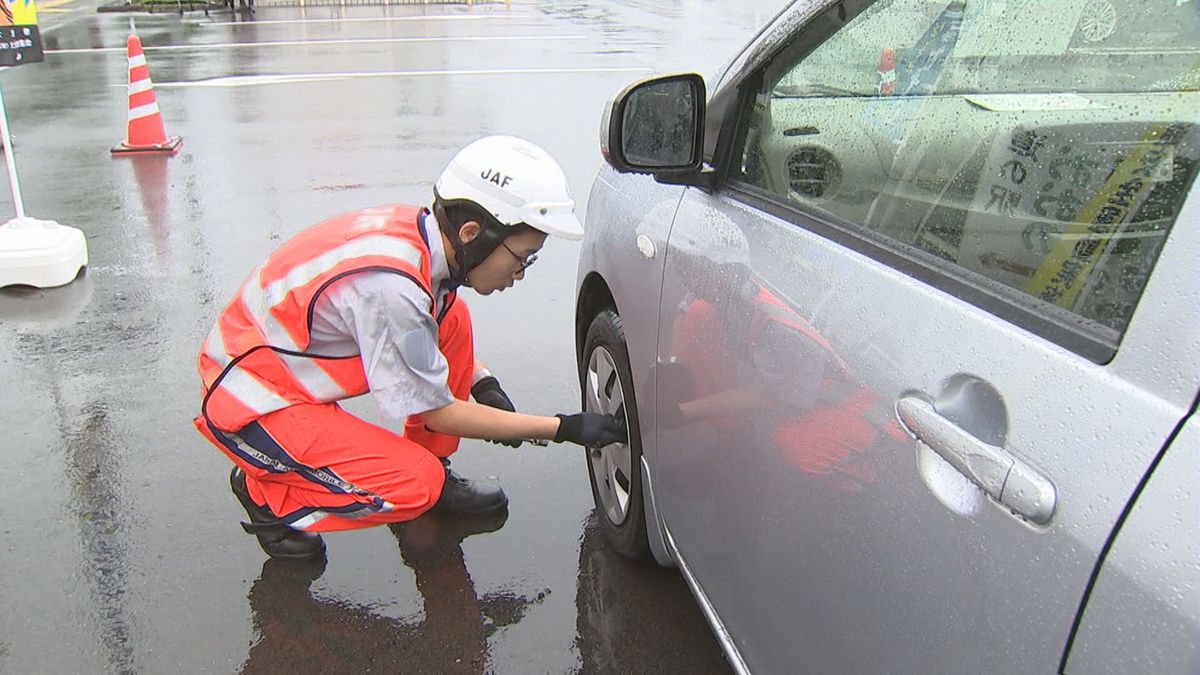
{"x":298,"y":629}
{"x":93,"y":474}
{"x":615,"y":632}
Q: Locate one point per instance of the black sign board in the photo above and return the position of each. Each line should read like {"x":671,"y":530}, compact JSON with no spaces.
{"x":20,"y":45}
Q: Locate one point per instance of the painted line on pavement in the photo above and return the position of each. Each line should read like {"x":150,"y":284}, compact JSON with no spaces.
{"x":320,"y":43}
{"x":56,"y":7}
{"x":1119,"y":51}
{"x":43,"y":29}
{"x":367,"y":19}
{"x":294,"y":78}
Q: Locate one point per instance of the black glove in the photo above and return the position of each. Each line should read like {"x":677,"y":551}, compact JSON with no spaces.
{"x":591,"y":429}
{"x":487,"y":392}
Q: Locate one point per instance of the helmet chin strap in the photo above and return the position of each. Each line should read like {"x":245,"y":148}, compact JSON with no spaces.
{"x":471,"y":254}
{"x":458,"y":274}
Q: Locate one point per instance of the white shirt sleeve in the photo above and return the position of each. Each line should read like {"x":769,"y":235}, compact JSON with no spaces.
{"x":386,"y":317}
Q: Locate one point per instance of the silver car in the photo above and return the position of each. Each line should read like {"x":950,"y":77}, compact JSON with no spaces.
{"x":904,"y":319}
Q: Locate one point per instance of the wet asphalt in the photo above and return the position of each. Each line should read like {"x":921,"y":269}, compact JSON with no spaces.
{"x":120,"y":549}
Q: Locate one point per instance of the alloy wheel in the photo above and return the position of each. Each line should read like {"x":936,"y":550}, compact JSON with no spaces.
{"x":612,"y":465}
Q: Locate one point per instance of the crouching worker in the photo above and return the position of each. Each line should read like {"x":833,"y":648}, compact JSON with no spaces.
{"x":367,"y":302}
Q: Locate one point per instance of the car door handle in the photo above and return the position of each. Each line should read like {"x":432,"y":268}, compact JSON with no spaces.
{"x":999,"y":473}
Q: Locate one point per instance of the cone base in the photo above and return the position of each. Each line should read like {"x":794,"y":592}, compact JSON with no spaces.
{"x":171,"y":146}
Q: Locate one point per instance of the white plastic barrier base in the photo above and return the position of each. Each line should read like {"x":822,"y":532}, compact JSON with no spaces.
{"x":40,"y":253}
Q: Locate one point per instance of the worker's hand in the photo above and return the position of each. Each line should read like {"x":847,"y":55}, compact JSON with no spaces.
{"x":487,"y":392}
{"x":591,"y":429}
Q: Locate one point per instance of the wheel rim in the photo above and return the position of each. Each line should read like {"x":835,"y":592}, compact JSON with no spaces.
{"x":612,"y":465}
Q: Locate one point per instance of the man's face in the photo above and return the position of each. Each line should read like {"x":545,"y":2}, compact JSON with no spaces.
{"x":506,"y":265}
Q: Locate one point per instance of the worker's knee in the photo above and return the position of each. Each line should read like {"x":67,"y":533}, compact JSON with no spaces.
{"x":416,"y":490}
{"x":406,"y":495}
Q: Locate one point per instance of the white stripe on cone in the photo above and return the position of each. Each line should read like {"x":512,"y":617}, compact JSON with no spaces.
{"x":139,"y":60}
{"x":140,"y":86}
{"x":143,"y":111}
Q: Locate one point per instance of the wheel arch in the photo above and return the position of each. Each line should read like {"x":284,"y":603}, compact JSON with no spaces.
{"x":594,"y":297}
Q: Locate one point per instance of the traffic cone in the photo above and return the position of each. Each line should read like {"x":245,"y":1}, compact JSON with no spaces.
{"x":887,"y":72}
{"x":145,"y":133}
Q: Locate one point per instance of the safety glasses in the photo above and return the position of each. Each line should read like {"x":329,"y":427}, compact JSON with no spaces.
{"x":525,"y":261}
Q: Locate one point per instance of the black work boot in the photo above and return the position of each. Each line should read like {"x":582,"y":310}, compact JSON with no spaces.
{"x":278,"y":540}
{"x":462,"y":495}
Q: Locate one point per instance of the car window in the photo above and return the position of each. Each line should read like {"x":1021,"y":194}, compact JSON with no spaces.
{"x":1040,"y":149}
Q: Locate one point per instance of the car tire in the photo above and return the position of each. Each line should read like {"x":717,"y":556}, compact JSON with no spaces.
{"x":614,"y":470}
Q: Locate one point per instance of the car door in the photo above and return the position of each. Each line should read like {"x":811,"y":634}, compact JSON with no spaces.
{"x":922,"y":342}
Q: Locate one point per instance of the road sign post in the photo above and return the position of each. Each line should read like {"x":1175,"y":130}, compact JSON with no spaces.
{"x":33,"y":252}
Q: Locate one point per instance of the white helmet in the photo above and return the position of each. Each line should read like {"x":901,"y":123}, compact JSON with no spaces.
{"x":515,"y":181}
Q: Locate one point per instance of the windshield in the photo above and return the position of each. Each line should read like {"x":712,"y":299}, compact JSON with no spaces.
{"x":923,"y":47}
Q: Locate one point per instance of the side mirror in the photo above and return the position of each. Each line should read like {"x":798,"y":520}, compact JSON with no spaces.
{"x":656,"y":126}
